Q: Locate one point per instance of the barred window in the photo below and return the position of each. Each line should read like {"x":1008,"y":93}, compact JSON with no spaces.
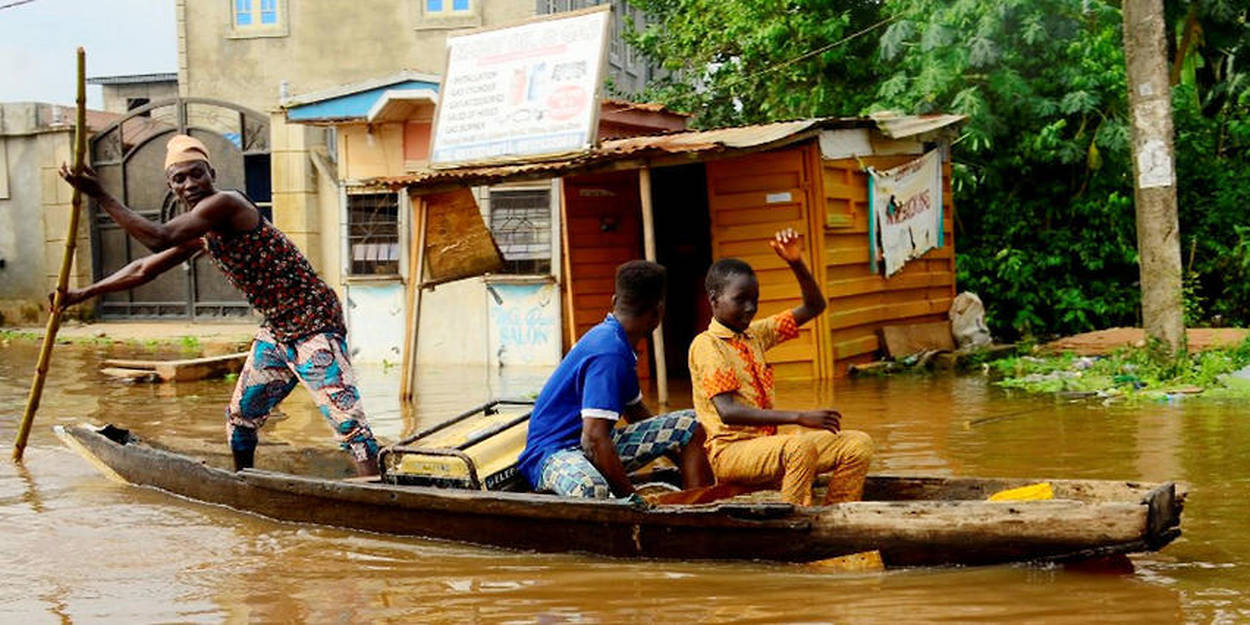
{"x":616,"y":37}
{"x":548,"y":7}
{"x":520,"y":221}
{"x":373,"y":233}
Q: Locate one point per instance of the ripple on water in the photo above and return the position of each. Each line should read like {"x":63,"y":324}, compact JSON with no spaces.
{"x":83,"y":549}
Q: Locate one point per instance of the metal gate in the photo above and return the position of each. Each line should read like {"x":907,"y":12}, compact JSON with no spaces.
{"x":129,"y":155}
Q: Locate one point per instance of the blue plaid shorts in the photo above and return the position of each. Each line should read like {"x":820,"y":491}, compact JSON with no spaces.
{"x":571,"y":474}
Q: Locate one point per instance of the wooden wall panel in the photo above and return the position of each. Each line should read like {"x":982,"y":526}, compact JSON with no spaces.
{"x":750,"y":198}
{"x":603,"y":226}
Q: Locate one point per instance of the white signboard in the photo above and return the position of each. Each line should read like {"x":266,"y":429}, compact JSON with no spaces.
{"x":906,"y":204}
{"x":522,"y":91}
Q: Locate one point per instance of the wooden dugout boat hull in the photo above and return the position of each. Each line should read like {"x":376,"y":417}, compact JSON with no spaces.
{"x":912,"y":521}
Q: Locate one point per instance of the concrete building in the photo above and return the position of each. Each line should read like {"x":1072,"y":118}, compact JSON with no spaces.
{"x":627,"y":71}
{"x":35,"y":138}
{"x":127,"y":93}
{"x":254,"y":52}
{"x":259,"y":53}
{"x":239,"y":63}
{"x":379,"y":129}
{"x":326,"y":67}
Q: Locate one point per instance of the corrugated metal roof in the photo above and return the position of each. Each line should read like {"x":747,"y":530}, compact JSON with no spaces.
{"x":650,"y":107}
{"x":695,"y":143}
{"x":133,"y":79}
{"x":900,"y":126}
{"x":699,"y":140}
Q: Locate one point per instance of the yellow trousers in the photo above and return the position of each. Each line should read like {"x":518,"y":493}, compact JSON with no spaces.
{"x":792,"y":461}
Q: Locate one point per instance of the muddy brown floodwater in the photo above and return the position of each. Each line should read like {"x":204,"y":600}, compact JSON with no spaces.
{"x":77,"y":548}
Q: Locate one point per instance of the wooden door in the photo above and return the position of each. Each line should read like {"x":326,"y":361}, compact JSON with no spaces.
{"x":603,"y":228}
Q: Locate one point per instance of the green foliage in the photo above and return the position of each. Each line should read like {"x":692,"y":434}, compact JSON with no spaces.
{"x":190,"y":344}
{"x":1213,"y":174}
{"x":1193,"y":299}
{"x":1043,"y":176}
{"x":729,"y":61}
{"x":19,"y":335}
{"x":24,"y":336}
{"x":1128,"y":372}
{"x":1043,"y":188}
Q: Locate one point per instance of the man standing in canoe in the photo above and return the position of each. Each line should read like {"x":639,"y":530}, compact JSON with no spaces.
{"x":303,"y":336}
{"x":573,"y":447}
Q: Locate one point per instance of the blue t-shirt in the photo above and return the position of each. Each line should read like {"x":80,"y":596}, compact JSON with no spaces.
{"x":596,"y":379}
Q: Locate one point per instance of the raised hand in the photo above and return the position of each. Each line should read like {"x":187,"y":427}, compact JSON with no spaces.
{"x":87,"y":181}
{"x":821,"y":419}
{"x":787,"y":244}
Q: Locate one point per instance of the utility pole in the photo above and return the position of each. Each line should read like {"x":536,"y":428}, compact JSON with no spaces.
{"x":1158,"y":231}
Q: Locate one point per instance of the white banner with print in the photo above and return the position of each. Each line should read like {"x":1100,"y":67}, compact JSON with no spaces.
{"x":521,"y":92}
{"x":906,"y":205}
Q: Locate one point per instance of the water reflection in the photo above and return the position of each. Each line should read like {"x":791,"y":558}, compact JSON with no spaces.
{"x":82,"y":549}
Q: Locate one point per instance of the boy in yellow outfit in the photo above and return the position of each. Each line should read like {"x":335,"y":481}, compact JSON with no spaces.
{"x":733,"y":391}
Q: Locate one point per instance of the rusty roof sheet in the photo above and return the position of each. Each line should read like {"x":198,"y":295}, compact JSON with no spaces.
{"x":694,"y":142}
{"x":650,"y":107}
{"x":901,"y":126}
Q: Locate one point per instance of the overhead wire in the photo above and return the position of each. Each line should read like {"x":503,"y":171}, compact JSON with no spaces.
{"x":15,"y":4}
{"x":805,"y":55}
{"x":820,"y":50}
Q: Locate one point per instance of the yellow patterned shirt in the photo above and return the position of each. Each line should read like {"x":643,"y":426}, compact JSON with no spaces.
{"x":722,"y":361}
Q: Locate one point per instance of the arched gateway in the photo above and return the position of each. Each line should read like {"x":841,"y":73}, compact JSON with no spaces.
{"x":129,"y":155}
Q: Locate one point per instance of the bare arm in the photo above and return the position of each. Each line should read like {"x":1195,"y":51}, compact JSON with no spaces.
{"x":139,"y":272}
{"x":734,"y":413}
{"x":599,"y":449}
{"x":214,"y":211}
{"x":786,"y":244}
{"x":636,"y":412}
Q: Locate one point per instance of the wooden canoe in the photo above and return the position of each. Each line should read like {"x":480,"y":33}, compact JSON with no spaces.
{"x":911,"y":521}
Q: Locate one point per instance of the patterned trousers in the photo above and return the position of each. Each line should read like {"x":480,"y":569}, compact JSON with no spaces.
{"x":792,"y":462}
{"x":571,"y":474}
{"x":273,"y":369}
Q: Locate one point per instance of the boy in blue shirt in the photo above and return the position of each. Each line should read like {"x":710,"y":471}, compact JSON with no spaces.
{"x":573,"y":447}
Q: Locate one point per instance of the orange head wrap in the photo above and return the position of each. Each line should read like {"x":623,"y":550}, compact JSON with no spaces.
{"x":183,"y":148}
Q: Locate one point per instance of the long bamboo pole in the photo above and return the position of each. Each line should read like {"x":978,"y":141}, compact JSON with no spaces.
{"x":648,"y":239}
{"x":67,"y":262}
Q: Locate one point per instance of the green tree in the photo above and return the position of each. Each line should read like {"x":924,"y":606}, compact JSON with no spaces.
{"x":747,"y":61}
{"x":1211,"y":103}
{"x":1043,"y":176}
